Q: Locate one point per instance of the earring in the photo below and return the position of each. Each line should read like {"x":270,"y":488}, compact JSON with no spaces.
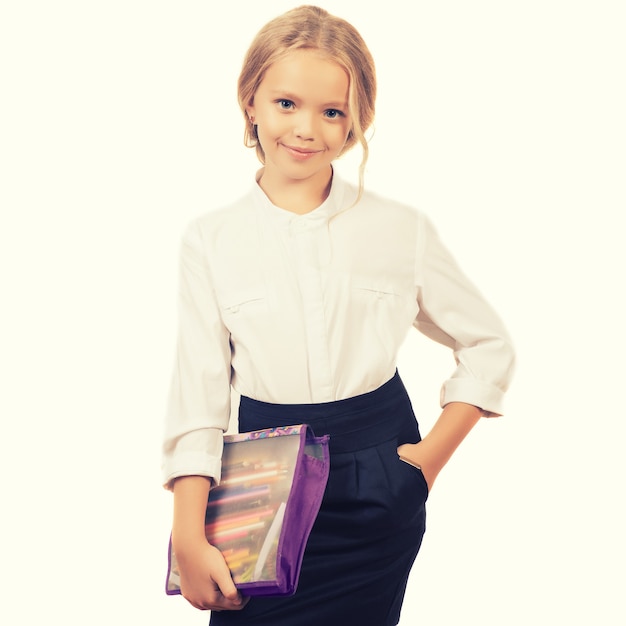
{"x":252,"y":120}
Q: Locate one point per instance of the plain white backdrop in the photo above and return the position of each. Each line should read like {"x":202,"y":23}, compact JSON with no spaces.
{"x":504,"y":121}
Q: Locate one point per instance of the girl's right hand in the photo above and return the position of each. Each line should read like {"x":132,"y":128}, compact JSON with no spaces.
{"x":205,"y":580}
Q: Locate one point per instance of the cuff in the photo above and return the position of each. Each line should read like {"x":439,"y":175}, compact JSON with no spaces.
{"x":192,"y":464}
{"x":487,"y":397}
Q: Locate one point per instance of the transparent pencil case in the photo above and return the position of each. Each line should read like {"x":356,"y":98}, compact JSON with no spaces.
{"x":261,"y":514}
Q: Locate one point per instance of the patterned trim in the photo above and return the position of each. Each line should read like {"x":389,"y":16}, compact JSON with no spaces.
{"x":266,"y":433}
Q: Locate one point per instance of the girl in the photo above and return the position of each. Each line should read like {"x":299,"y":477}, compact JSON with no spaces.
{"x":299,"y":295}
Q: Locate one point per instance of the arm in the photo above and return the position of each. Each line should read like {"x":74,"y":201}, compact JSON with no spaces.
{"x":198,"y":413}
{"x":454,"y":313}
{"x":205,"y":579}
{"x":198,"y":407}
{"x":436,"y":448}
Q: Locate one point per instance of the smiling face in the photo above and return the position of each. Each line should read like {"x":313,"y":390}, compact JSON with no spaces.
{"x":301,"y":113}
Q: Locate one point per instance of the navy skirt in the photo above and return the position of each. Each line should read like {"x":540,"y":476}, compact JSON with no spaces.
{"x":372,"y":519}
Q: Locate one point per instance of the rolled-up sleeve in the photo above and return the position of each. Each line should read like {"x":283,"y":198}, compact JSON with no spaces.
{"x":198,"y":409}
{"x":453,"y":312}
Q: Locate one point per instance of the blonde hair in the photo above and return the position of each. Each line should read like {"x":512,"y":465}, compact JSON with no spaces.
{"x":313,"y":28}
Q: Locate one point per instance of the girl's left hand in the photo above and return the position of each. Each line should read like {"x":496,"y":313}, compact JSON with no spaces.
{"x":436,"y":448}
{"x":417,"y":454}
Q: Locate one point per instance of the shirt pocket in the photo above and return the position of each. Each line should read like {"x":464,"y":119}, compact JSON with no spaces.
{"x":381,"y":293}
{"x":243,"y":302}
{"x":378,"y":291}
{"x":385,"y":309}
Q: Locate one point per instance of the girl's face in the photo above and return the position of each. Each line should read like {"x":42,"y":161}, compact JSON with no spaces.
{"x":301,"y":112}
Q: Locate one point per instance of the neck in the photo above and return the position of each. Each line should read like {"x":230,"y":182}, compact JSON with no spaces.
{"x":296,"y":196}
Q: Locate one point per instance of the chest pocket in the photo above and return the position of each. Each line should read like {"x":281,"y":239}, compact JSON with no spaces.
{"x":242,"y":303}
{"x":378,"y":292}
{"x":381,"y":291}
{"x":390,"y":306}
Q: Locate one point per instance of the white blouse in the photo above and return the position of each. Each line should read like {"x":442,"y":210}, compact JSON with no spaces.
{"x":311,"y":308}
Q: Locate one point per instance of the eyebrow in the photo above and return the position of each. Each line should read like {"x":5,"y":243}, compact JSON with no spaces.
{"x":336,"y":105}
{"x":289,"y":96}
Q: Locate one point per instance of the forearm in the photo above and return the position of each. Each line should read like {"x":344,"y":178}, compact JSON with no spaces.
{"x":190,"y":499}
{"x":205,"y":579}
{"x":434,"y":451}
{"x":454,"y":424}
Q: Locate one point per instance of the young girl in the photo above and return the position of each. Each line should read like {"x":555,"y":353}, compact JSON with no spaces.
{"x":299,"y":295}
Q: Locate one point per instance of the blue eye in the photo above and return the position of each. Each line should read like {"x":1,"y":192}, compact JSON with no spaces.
{"x":333,"y":114}
{"x":285,"y":104}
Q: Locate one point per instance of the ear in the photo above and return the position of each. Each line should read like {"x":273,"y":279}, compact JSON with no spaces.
{"x":251,"y":111}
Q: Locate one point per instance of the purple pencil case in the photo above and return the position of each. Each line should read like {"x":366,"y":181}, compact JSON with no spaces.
{"x":261,"y":514}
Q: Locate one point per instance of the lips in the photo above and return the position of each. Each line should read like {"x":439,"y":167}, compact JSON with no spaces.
{"x":300,"y":154}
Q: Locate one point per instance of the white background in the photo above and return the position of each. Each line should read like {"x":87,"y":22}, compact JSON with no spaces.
{"x":119,"y":123}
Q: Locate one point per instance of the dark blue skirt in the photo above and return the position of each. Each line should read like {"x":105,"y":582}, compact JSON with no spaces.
{"x":372,"y":518}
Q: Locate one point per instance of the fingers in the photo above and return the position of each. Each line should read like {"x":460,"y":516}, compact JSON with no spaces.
{"x":211,"y":587}
{"x":216,"y":601}
{"x":225,"y":584}
{"x":229,"y":594}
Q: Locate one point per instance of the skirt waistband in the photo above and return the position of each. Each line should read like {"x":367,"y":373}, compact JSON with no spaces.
{"x":353,"y":424}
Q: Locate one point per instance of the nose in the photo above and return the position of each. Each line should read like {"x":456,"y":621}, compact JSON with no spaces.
{"x":304,"y":126}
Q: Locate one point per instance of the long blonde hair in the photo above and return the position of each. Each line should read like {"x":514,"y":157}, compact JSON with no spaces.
{"x":310,"y":27}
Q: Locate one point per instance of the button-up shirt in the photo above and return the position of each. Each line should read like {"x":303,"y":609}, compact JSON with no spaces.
{"x":311,"y":308}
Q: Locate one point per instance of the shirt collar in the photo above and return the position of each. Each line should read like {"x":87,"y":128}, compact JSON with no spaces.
{"x":334,"y":203}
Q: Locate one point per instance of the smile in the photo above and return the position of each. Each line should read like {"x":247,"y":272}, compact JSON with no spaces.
{"x":300,"y":154}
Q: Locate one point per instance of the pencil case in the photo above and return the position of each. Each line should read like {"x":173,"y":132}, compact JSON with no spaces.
{"x":261,"y":514}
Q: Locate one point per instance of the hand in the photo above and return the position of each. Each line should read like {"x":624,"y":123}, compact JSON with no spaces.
{"x":205,"y":580}
{"x":417,"y":454}
{"x":436,"y":448}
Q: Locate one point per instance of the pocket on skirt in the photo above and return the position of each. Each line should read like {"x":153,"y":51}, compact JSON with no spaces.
{"x":415,"y":469}
{"x":406,"y":483}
